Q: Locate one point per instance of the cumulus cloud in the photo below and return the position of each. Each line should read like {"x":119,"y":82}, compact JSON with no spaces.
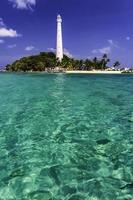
{"x":1,"y":41}
{"x":4,"y":32}
{"x":7,"y":32}
{"x":23,"y":4}
{"x":11,"y":46}
{"x":29,"y":48}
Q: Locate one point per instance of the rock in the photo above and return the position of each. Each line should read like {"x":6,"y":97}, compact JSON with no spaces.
{"x":68,"y":190}
{"x":103,"y":141}
{"x":127,"y":186}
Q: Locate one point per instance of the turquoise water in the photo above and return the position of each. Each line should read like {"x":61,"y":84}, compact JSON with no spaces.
{"x":66,"y":137}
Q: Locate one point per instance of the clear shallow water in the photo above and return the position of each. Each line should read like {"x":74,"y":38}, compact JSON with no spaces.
{"x":66,"y":137}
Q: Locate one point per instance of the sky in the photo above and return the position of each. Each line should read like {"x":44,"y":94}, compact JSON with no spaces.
{"x":90,"y":28}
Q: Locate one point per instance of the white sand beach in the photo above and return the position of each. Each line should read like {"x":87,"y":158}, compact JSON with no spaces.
{"x":93,"y":72}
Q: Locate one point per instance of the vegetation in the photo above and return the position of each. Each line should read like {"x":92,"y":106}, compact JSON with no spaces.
{"x":46,"y":61}
{"x":116,"y":64}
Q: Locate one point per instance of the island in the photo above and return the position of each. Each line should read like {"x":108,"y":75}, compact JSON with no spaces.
{"x":47,"y":62}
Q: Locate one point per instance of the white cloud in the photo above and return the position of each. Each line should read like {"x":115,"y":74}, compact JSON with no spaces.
{"x":4,"y":32}
{"x":112,"y":43}
{"x":107,"y":49}
{"x":94,"y":51}
{"x":11,"y":46}
{"x":128,"y":38}
{"x":67,"y":53}
{"x":1,"y":41}
{"x":51,"y":49}
{"x":89,"y":57}
{"x":7,"y":32}
{"x":29,"y":48}
{"x":23,"y":4}
{"x":1,"y":22}
{"x":104,"y":50}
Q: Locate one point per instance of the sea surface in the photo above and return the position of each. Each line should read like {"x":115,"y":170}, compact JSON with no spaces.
{"x":66,"y":137}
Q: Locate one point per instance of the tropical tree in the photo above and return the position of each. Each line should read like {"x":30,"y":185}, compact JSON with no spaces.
{"x":104,"y":61}
{"x":116,"y":64}
{"x":95,"y":61}
{"x":48,"y":60}
{"x":88,"y":64}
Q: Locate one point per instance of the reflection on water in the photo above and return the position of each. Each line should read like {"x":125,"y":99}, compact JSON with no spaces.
{"x":66,"y":137}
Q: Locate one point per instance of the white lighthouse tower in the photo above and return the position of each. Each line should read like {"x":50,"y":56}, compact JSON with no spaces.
{"x":59,"y":44}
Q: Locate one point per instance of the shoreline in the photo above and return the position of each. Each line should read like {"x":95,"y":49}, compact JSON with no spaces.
{"x":71,"y":72}
{"x":93,"y":72}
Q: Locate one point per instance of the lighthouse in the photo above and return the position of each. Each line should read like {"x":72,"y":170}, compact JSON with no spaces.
{"x":59,"y":43}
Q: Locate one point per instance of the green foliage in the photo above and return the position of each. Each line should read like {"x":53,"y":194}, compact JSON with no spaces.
{"x":47,"y":61}
{"x":116,"y":64}
{"x":34,"y":63}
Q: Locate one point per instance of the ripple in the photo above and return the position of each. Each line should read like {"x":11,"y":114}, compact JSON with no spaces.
{"x":66,"y":137}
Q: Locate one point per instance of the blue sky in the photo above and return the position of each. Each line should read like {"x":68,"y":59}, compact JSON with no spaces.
{"x":90,"y":28}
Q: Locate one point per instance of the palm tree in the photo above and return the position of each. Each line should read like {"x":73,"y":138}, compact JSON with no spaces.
{"x":88,"y":64}
{"x":116,"y":64}
{"x":95,"y":61}
{"x":104,"y":61}
{"x":105,"y":56}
